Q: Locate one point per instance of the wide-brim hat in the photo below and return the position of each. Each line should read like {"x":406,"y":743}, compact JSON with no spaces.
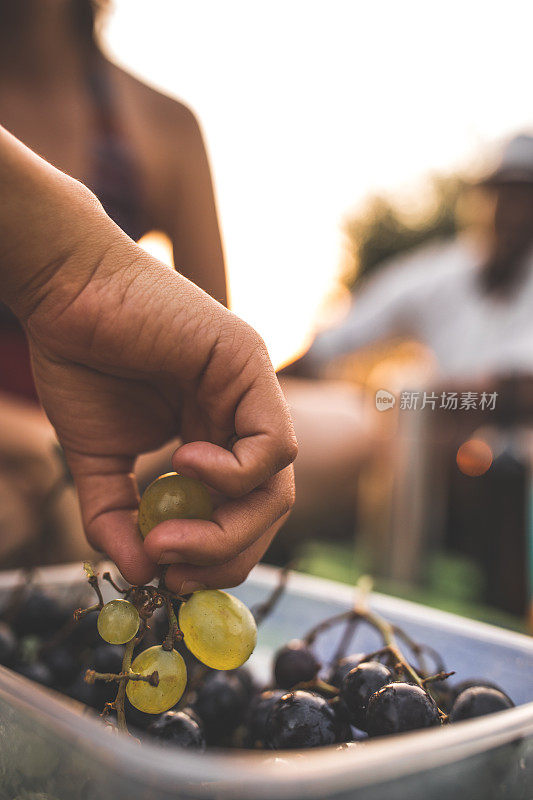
{"x":515,"y":164}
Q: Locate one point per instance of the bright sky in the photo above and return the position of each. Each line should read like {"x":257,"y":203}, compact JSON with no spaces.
{"x":308,"y":105}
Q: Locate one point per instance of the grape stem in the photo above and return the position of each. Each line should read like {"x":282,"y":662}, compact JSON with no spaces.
{"x":173,"y":628}
{"x":146,"y":599}
{"x":419,"y":650}
{"x":91,"y":676}
{"x":93,"y":581}
{"x":118,"y":703}
{"x":264,"y":609}
{"x":388,"y":634}
{"x":310,"y":637}
{"x":346,"y":638}
{"x":440,"y":676}
{"x":107,"y":577}
{"x":319,"y":684}
{"x":82,"y":612}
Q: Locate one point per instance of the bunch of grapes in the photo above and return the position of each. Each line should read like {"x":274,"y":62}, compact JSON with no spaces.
{"x":171,"y":668}
{"x":215,"y":627}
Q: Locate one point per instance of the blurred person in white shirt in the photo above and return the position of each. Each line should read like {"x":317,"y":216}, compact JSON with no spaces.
{"x":469,"y":301}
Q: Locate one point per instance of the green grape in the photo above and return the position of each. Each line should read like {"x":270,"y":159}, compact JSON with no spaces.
{"x":118,"y":622}
{"x":218,"y":629}
{"x":173,"y":496}
{"x":172,"y":673}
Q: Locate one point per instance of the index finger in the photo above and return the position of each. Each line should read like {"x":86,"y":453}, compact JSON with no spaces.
{"x":109,"y":502}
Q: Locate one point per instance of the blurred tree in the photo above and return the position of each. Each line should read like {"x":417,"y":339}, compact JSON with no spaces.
{"x":384,"y":227}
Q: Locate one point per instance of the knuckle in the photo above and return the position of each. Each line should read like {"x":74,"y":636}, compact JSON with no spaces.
{"x":254,"y":338}
{"x":291,"y":450}
{"x":287,"y":450}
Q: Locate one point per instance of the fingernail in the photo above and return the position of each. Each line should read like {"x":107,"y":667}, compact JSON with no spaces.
{"x":187,"y":587}
{"x":170,"y":557}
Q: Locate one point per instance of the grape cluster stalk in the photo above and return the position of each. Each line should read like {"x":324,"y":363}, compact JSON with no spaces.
{"x":391,"y":650}
{"x":203,"y":626}
{"x":146,"y":599}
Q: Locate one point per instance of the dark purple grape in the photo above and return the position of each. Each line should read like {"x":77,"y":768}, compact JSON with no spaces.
{"x":63,"y":663}
{"x":442,"y":693}
{"x":136,"y":719}
{"x":400,"y":707}
{"x":84,"y":632}
{"x":342,"y":716}
{"x":40,"y":614}
{"x":246,"y":679}
{"x":220,"y":703}
{"x":95,"y":695}
{"x":179,"y":729}
{"x":478,"y":701}
{"x":300,"y":720}
{"x":107,"y":658}
{"x":258,"y":714}
{"x":37,"y":671}
{"x":104,"y":658}
{"x":8,"y":645}
{"x":295,"y":663}
{"x":191,"y":713}
{"x":359,"y":685}
{"x":471,"y":683}
{"x":343,"y":667}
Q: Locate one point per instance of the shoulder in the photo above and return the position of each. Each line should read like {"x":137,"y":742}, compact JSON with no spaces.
{"x":163,"y":116}
{"x":166,"y":137}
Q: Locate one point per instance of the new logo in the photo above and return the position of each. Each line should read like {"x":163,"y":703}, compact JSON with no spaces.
{"x":384,"y":400}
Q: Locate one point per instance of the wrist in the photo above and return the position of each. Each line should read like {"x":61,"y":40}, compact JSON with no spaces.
{"x":47,"y":219}
{"x":62,"y":246}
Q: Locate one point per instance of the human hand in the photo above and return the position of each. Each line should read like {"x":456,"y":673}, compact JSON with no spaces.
{"x":127,"y":354}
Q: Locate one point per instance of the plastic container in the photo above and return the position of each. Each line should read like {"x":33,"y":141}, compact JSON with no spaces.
{"x":47,"y":745}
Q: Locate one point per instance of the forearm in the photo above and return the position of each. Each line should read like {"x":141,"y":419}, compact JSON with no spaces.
{"x":44,"y":214}
{"x":61,"y":253}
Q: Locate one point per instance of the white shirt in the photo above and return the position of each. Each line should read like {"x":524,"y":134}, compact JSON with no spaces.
{"x":434,"y":295}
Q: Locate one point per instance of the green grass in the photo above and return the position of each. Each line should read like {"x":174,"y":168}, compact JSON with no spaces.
{"x":453,"y":583}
